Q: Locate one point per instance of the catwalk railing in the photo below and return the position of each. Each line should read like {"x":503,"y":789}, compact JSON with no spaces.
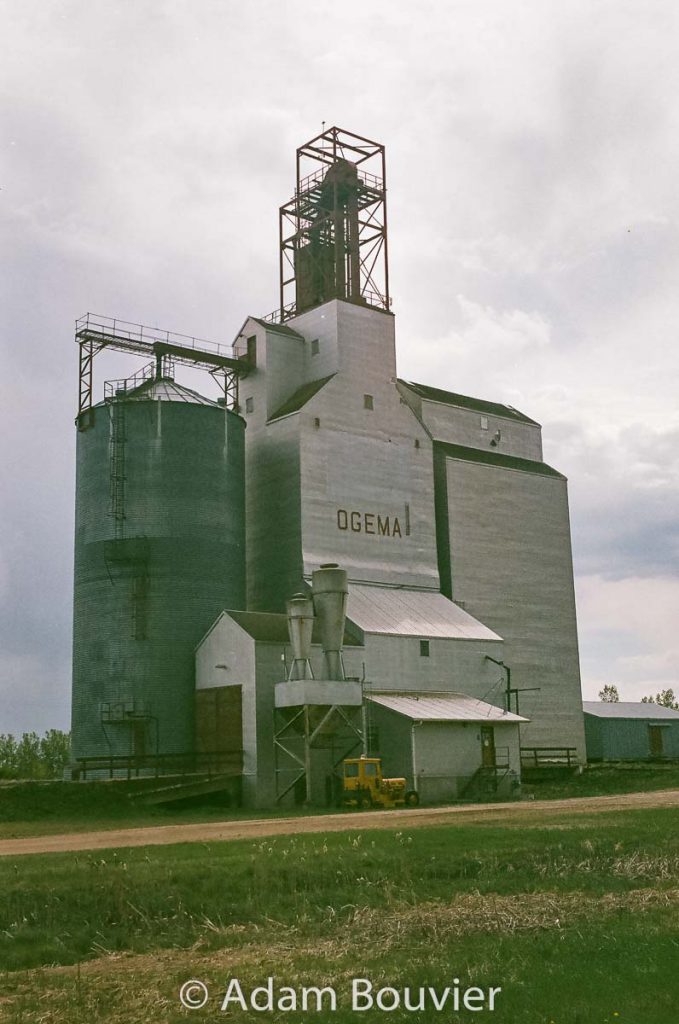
{"x":537,"y":757}
{"x":133,"y":766}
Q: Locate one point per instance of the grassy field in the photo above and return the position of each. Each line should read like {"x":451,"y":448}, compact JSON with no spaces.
{"x":604,"y":780}
{"x":34,"y":808}
{"x":576,"y":920}
{"x":46,"y":808}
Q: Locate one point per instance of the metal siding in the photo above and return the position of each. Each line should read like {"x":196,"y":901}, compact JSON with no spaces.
{"x":593,"y":739}
{"x":628,"y":740}
{"x":395,"y":663}
{"x":394,"y":745}
{"x":369,"y":461}
{"x":300,"y":471}
{"x":463,"y":426}
{"x":512,"y":569}
{"x":183,"y":536}
{"x":274,"y":508}
{"x":446,"y":756}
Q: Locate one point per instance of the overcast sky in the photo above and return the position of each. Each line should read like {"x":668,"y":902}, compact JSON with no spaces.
{"x":534,"y":256}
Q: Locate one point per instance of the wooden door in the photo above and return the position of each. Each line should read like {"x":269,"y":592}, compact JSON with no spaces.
{"x":655,"y":740}
{"x":487,"y":746}
{"x":219,"y":721}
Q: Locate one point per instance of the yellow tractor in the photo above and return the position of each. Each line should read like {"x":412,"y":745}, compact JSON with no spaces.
{"x":364,"y":786}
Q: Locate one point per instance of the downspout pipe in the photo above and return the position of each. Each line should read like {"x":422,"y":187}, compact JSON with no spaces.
{"x":413,"y":754}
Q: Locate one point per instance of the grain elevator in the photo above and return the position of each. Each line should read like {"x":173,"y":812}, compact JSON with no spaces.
{"x":454,"y":639}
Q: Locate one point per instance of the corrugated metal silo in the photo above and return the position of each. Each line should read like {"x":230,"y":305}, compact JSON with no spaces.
{"x":159,"y":552}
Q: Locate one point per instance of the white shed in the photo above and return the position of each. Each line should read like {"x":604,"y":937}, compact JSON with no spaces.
{"x":447,"y":745}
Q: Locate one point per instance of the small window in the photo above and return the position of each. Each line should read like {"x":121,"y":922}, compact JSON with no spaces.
{"x":252,"y":350}
{"x":424,"y":648}
{"x":368,"y":402}
{"x":314,"y":346}
{"x":249,"y":405}
{"x":484,"y":423}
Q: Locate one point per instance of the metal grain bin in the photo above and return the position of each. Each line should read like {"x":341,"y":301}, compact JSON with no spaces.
{"x":159,"y":552}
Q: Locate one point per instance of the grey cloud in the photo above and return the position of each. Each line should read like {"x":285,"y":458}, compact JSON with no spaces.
{"x":153,"y":145}
{"x":624,"y":497}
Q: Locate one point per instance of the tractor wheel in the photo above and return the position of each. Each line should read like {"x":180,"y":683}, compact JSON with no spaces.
{"x":364,"y":801}
{"x":412,"y":798}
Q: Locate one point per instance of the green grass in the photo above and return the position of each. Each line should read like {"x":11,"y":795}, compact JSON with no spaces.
{"x":47,"y":808}
{"x":604,"y":780}
{"x":575,"y":923}
{"x":44,"y":808}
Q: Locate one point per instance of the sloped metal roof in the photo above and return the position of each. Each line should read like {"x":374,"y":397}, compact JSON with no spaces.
{"x":275,"y":328}
{"x":299,"y":399}
{"x":483,"y":457}
{"x":627,"y":709}
{"x":272,"y":627}
{"x":166,"y":390}
{"x":466,"y":402}
{"x":271,"y":327}
{"x":398,"y":611}
{"x":453,"y":707}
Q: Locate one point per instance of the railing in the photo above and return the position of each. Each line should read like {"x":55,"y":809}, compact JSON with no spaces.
{"x":115,"y":387}
{"x":280,"y":315}
{"x":316,"y":177}
{"x":124,"y":710}
{"x":372,"y":299}
{"x":134,"y":766}
{"x":108,"y":327}
{"x":535,"y":757}
{"x":501,"y":758}
{"x":486,"y":780}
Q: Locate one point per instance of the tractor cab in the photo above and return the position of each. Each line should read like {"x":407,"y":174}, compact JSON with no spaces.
{"x":365,"y":786}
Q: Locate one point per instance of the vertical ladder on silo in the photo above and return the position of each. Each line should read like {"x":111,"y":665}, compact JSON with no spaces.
{"x":117,"y":464}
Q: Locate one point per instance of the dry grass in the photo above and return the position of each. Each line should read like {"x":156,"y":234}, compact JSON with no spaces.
{"x":124,"y":988}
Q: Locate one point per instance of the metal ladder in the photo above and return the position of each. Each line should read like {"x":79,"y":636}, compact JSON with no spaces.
{"x":117,"y":441}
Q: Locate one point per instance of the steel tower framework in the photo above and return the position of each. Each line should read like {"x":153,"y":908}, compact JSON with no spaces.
{"x":94,"y":333}
{"x":333,"y":232}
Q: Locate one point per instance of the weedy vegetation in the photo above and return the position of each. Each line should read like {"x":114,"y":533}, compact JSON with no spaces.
{"x":578,"y":925}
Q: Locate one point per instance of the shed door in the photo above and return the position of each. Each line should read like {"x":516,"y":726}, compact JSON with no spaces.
{"x":655,"y":740}
{"x":219,"y":722}
{"x":487,"y":746}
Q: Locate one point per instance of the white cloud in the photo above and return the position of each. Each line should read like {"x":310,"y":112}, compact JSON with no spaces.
{"x":532,"y":153}
{"x":628,"y":634}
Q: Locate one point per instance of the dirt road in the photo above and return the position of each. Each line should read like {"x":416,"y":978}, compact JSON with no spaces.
{"x":524,"y":813}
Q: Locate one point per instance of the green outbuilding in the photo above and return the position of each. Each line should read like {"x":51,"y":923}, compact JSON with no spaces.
{"x":630,"y":731}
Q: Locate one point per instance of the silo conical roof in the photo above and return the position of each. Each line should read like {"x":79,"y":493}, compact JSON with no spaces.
{"x":166,"y":390}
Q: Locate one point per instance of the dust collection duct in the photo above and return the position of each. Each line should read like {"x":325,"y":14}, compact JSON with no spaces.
{"x":317,"y":721}
{"x":300,"y":609}
{"x":330,"y":592}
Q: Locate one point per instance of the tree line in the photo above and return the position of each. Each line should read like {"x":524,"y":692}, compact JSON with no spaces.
{"x":34,"y":757}
{"x":666,"y":698}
